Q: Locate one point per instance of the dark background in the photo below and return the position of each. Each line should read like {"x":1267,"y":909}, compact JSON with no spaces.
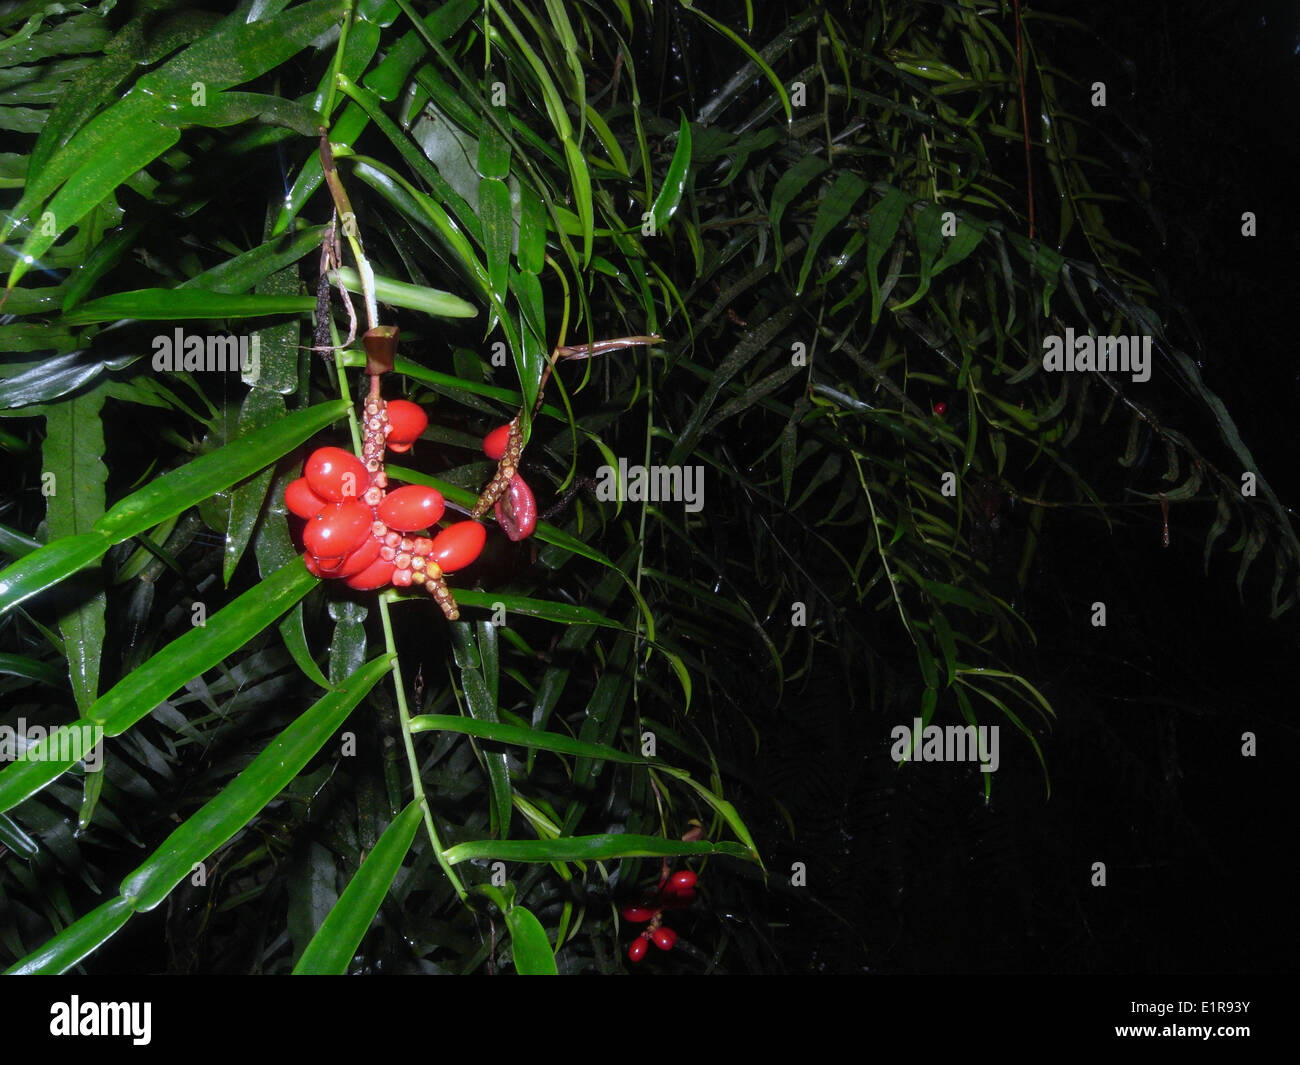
{"x":1145,"y":763}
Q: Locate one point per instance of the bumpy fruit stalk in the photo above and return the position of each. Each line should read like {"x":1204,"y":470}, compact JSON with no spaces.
{"x":505,"y":471}
{"x":372,"y":444}
{"x":408,"y":557}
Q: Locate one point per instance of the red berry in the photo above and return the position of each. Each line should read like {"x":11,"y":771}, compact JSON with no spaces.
{"x":359,"y":560}
{"x":664,"y":937}
{"x":517,"y":510}
{"x":410,"y":508}
{"x":406,"y":421}
{"x":301,"y":500}
{"x":494,"y":444}
{"x":681,"y":881}
{"x":310,"y":562}
{"x":637,"y":948}
{"x":941,"y":408}
{"x":338,"y":530}
{"x":335,"y":474}
{"x":638,"y":914}
{"x":458,"y":545}
{"x":376,"y":575}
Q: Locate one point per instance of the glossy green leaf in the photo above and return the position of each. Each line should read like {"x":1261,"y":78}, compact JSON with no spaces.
{"x":585,"y":848}
{"x":532,"y":232}
{"x":42,"y":762}
{"x":54,"y":377}
{"x":211,"y":473}
{"x":581,"y":197}
{"x":493,"y":152}
{"x":498,"y":232}
{"x":74,"y":478}
{"x":76,"y":941}
{"x":670,"y":193}
{"x":45,"y":567}
{"x":518,"y":735}
{"x":332,"y":948}
{"x":239,"y":802}
{"x":532,"y":950}
{"x":12,"y":665}
{"x":413,"y":297}
{"x":200,"y":649}
{"x":242,"y":272}
{"x":178,"y":304}
{"x":348,"y":648}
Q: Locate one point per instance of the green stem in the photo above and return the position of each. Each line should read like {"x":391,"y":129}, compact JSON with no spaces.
{"x":404,"y":716}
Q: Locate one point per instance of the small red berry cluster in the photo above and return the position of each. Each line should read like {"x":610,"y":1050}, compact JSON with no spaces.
{"x":356,"y":528}
{"x":675,"y":893}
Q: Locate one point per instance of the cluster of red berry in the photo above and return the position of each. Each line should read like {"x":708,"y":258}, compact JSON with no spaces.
{"x":356,"y":528}
{"x":675,"y":893}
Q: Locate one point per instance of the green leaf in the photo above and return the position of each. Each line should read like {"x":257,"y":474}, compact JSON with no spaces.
{"x":243,"y":272}
{"x":261,"y":409}
{"x":532,"y":231}
{"x":481,"y":705}
{"x":885,"y":219}
{"x":332,"y":948}
{"x":76,"y":941}
{"x":791,"y":183}
{"x":532,"y":950}
{"x":348,"y":648}
{"x":670,"y":193}
{"x":521,"y":736}
{"x":493,"y":152}
{"x":835,"y":207}
{"x":168,"y":304}
{"x":54,"y":377}
{"x":498,"y":233}
{"x":73,"y":456}
{"x":241,"y":799}
{"x":211,"y":473}
{"x":413,"y":297}
{"x":585,"y":848}
{"x":44,"y":568}
{"x":30,"y":669}
{"x":754,"y":57}
{"x":581,"y":197}
{"x":200,"y":649}
{"x":232,"y":108}
{"x":131,"y":133}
